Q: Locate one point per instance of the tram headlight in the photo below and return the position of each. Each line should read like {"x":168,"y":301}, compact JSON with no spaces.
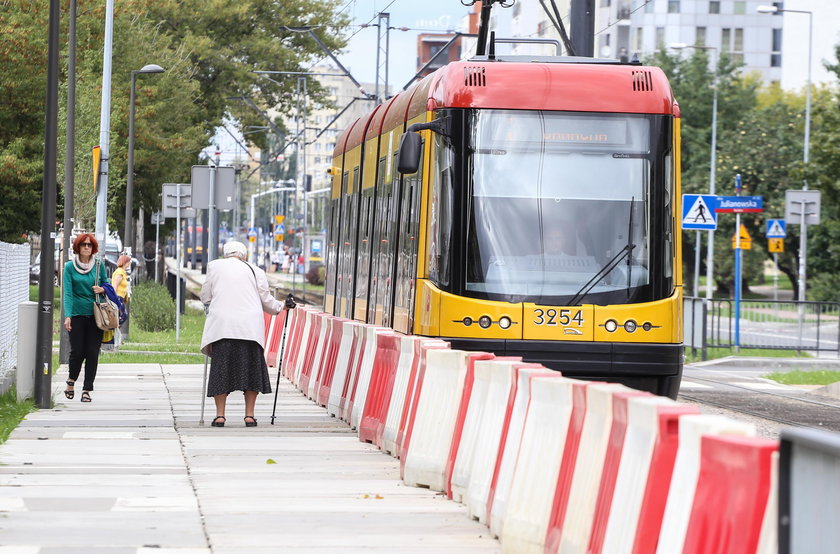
{"x":504,"y":322}
{"x":647,"y":326}
{"x":467,"y":321}
{"x":629,"y":325}
{"x":611,"y":325}
{"x":485,"y":322}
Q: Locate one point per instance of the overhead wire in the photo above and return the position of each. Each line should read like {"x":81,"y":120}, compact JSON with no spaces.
{"x":634,"y":10}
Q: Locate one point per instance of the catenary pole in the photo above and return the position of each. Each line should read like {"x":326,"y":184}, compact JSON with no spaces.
{"x":46,"y":288}
{"x":69,"y":169}
{"x":105,"y":128}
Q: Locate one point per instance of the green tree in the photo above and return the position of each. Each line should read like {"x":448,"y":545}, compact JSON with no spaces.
{"x":23,"y":57}
{"x":210,"y":50}
{"x":824,"y":174}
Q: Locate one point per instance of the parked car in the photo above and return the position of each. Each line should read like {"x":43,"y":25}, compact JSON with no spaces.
{"x":35,"y":271}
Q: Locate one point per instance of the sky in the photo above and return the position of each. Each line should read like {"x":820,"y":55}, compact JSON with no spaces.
{"x":416,"y":15}
{"x":359,"y":58}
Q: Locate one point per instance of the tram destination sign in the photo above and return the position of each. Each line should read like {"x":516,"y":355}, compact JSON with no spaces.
{"x":739,"y":204}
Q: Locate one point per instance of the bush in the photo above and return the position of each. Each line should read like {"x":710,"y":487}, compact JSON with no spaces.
{"x":316,"y":273}
{"x":151,"y":307}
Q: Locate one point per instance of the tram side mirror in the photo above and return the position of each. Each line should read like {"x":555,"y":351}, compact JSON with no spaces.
{"x":409,"y":158}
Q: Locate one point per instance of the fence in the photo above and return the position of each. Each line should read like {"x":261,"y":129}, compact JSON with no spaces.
{"x":14,"y":289}
{"x":768,"y":324}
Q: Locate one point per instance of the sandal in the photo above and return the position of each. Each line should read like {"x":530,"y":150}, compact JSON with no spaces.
{"x":252,"y":423}
{"x":218,"y":421}
{"x":70,"y":393}
{"x":86,"y":396}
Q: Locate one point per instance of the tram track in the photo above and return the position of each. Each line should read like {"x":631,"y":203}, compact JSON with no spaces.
{"x":789,"y":409}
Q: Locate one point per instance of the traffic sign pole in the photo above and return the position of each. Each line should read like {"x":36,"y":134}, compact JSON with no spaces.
{"x":737,"y":267}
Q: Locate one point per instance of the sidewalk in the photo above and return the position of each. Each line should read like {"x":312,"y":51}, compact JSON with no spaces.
{"x":133,"y":471}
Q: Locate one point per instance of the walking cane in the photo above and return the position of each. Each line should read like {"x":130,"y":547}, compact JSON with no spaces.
{"x":290,"y":304}
{"x":203,"y":391}
{"x":204,"y":379}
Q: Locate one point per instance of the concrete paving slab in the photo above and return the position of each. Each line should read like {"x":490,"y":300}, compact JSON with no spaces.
{"x":157,"y":480}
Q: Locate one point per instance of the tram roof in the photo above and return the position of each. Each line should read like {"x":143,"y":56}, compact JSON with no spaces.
{"x":523,"y":83}
{"x":561,"y":85}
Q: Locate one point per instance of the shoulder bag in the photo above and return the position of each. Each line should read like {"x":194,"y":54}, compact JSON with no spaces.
{"x":105,"y":313}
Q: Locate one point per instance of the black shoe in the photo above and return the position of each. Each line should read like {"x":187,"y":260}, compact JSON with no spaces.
{"x":218,"y":421}
{"x":252,"y":423}
{"x":86,"y":396}
{"x":70,"y":393}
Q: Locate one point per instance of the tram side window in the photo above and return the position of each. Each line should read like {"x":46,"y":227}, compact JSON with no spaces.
{"x":363,"y":267}
{"x":440,"y":217}
{"x":332,"y":254}
{"x":668,"y":247}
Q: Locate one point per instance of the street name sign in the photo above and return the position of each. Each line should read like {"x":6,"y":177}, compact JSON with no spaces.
{"x":739,"y":204}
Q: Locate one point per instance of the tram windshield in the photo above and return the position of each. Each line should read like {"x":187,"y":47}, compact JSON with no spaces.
{"x":560,"y":206}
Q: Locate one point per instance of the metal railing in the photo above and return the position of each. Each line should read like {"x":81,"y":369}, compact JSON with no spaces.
{"x":766,"y":324}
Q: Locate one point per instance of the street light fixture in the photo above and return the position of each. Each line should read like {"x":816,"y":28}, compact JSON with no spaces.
{"x":710,"y":250}
{"x":803,"y":235}
{"x":128,"y":241}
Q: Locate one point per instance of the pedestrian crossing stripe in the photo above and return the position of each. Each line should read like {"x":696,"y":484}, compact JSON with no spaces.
{"x":776,"y":229}
{"x":699,"y":212}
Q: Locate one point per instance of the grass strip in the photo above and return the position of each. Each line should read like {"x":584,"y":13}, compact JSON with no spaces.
{"x":799,"y":377}
{"x":12,"y":412}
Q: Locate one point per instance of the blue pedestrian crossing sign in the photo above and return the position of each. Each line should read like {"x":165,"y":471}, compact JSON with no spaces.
{"x":776,"y":229}
{"x":252,"y":232}
{"x":699,"y":212}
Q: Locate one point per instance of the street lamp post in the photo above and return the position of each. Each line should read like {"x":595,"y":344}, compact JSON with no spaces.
{"x":803,"y":234}
{"x":128,"y":242}
{"x":710,"y":249}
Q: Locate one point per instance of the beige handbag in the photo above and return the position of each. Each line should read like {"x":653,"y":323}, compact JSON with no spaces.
{"x":105,"y":313}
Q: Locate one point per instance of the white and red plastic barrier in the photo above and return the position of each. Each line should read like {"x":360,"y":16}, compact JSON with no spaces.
{"x":550,"y":464}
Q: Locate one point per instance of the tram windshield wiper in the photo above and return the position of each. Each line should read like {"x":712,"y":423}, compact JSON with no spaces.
{"x":610,"y":265}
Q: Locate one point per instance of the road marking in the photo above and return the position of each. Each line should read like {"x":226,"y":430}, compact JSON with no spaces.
{"x":760,"y":386}
{"x":690,"y":385}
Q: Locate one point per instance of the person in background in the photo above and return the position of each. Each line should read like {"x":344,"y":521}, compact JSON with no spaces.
{"x":80,"y":287}
{"x":234,"y":330}
{"x":121,"y":282}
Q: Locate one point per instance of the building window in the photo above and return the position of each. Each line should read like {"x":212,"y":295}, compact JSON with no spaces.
{"x":739,"y":41}
{"x":649,"y":6}
{"x":660,"y":37}
{"x":775,"y":60}
{"x":700,"y":36}
{"x":714,"y":6}
{"x":604,"y":4}
{"x":738,"y":47}
{"x":777,"y":40}
{"x":725,"y":39}
{"x":740,"y":7}
{"x":673,"y":6}
{"x":639,"y":38}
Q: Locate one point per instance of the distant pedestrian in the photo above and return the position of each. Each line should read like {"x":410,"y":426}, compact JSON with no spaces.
{"x":234,"y":331}
{"x":79,"y":278}
{"x":121,"y":281}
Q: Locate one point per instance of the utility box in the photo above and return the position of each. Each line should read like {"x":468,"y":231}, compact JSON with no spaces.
{"x":26,"y":333}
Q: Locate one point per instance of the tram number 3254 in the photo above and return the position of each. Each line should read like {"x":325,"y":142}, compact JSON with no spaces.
{"x":558,"y":317}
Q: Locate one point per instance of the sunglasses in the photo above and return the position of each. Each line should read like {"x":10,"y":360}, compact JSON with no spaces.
{"x":86,"y":245}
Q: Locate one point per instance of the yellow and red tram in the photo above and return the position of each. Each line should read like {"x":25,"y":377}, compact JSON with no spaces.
{"x":536,"y":216}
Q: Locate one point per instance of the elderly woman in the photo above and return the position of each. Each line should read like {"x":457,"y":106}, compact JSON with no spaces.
{"x":80,"y":277}
{"x":234,"y":331}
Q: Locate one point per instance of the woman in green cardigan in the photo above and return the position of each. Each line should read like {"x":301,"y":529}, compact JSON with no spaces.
{"x":79,"y":289}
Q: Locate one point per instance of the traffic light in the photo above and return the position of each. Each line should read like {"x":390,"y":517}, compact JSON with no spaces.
{"x":307,"y":183}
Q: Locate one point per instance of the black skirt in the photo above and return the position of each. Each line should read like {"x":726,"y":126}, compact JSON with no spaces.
{"x":237,"y":365}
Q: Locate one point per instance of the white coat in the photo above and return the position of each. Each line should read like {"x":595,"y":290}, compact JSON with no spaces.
{"x":237,"y":301}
